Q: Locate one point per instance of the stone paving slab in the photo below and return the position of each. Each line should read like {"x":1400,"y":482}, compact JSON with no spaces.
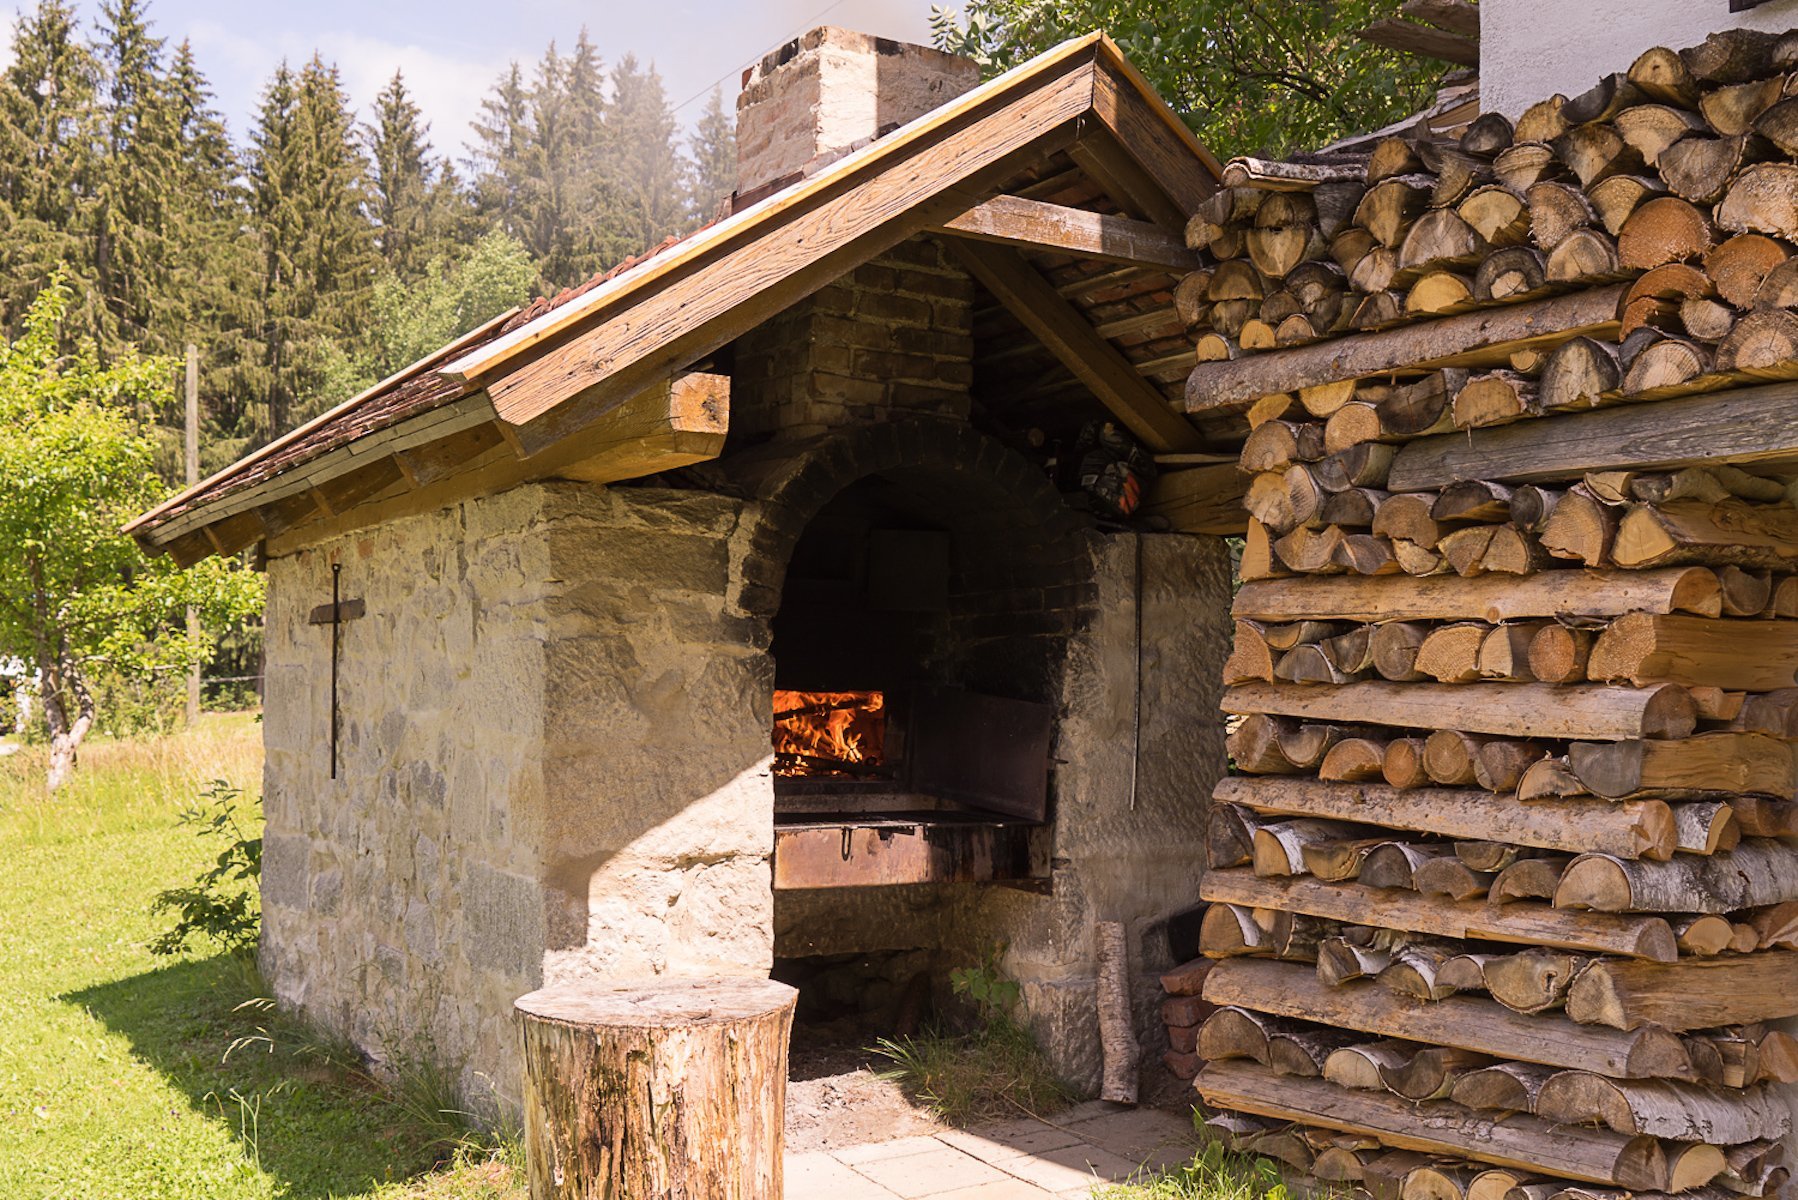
{"x":1026,"y":1159}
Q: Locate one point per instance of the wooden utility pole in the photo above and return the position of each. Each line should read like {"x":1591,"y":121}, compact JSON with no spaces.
{"x":192,"y":455}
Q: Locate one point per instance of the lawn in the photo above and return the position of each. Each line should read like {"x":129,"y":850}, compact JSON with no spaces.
{"x":124,"y":1076}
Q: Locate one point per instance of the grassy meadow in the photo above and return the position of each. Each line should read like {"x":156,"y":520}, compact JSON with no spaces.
{"x":124,"y":1076}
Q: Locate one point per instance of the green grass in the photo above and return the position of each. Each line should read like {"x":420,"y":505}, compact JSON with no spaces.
{"x":993,"y":1073}
{"x":1213,"y":1174}
{"x":128,"y":1077}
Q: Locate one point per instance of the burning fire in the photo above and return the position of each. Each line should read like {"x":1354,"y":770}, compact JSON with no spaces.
{"x":828,"y":733}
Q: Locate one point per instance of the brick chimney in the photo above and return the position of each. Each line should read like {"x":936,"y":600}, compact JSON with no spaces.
{"x":829,"y":92}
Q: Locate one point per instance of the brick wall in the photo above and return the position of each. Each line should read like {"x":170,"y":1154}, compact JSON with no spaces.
{"x":894,"y":338}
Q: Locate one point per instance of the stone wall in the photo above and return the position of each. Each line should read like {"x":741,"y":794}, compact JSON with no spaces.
{"x":893,"y":338}
{"x":522,"y":797}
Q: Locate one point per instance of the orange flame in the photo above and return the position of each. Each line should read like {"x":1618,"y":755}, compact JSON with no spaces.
{"x":828,"y":733}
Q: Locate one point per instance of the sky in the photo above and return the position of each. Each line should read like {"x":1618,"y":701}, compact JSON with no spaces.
{"x":452,"y":50}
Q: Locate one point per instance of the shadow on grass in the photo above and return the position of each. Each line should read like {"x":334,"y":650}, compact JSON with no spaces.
{"x":304,"y":1112}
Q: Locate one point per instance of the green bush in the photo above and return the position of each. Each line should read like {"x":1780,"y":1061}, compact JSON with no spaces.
{"x":224,"y":905}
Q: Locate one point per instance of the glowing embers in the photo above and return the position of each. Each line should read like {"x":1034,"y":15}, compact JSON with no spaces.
{"x":831,"y":735}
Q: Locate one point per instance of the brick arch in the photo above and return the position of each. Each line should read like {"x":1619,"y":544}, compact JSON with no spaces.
{"x":1037,"y":543}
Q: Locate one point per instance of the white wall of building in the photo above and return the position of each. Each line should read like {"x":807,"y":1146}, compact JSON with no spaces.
{"x":1531,"y":49}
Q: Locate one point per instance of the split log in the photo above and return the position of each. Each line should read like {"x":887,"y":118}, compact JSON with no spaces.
{"x":1449,"y":756}
{"x":1523,"y":922}
{"x":1761,"y":339}
{"x":1229,"y":837}
{"x":1559,"y":653}
{"x":1704,"y":936}
{"x":1528,"y":879}
{"x":1504,"y":655}
{"x":1762,"y":199}
{"x":1276,"y":445}
{"x":1673,"y":361}
{"x":1577,"y":593}
{"x":1755,"y":873}
{"x":1353,"y":760}
{"x":1391,"y":864}
{"x":1496,"y":398}
{"x":1233,"y":1032}
{"x":1652,"y":128}
{"x":1402,"y":766}
{"x":1351,"y":508}
{"x":1500,"y":765}
{"x":1687,"y":531}
{"x":1709,"y":763}
{"x":1450,"y":877}
{"x":1504,"y":1087}
{"x":1741,"y":264}
{"x":1279,"y":848}
{"x":1254,"y":746}
{"x":1707,"y":827}
{"x":1389,"y":206}
{"x":1660,"y":1108}
{"x":1599,"y":1156}
{"x":1364,"y":465}
{"x":1250,"y":657}
{"x":656,"y":1088}
{"x":1451,"y":653}
{"x":1581,"y":528}
{"x":1431,"y":1072}
{"x":1301,"y":1051}
{"x":1394,"y":647}
{"x":1754,"y":656}
{"x":1757,"y":816}
{"x":1360,"y":1066}
{"x":1550,"y":778}
{"x":1408,"y":517}
{"x":1585,"y":255}
{"x":1226,"y":386}
{"x":1556,"y":210}
{"x":1534,"y":981}
{"x":1532,"y":505}
{"x":1341,"y":961}
{"x":1496,"y":215}
{"x":1669,"y":229}
{"x":1527,"y":162}
{"x":1694,"y":993}
{"x":1310,"y":551}
{"x":1699,"y":169}
{"x":1780,"y":288}
{"x":1617,"y":196}
{"x":1439,"y":293}
{"x":1510,"y":274}
{"x":1518,"y":709}
{"x":1578,"y":374}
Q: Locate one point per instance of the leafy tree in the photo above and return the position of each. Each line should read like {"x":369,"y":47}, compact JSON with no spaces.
{"x":414,"y":317}
{"x":76,"y":596}
{"x":713,"y":148}
{"x":1249,"y":77}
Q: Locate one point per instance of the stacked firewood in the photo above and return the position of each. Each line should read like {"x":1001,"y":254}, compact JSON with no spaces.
{"x":1678,"y":168}
{"x":1504,"y":888}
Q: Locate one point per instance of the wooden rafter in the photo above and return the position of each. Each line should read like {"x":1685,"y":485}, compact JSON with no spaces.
{"x":1060,"y":326}
{"x":1013,"y":220}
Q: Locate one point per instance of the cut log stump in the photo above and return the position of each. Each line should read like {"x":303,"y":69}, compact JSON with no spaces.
{"x":656,"y":1088}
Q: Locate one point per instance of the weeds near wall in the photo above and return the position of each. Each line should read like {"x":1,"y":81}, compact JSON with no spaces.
{"x":222,"y":906}
{"x":1214,"y":1174}
{"x":995,"y":1069}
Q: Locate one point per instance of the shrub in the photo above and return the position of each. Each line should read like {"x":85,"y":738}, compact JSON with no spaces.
{"x":224,"y":905}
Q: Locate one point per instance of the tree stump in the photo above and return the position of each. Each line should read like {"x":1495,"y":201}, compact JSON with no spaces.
{"x":656,"y":1089}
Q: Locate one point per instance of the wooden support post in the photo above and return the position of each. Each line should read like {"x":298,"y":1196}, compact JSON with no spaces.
{"x":191,"y":456}
{"x":656,"y":1089}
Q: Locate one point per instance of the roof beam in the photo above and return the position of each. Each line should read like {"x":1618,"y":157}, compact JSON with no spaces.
{"x":1013,"y":220}
{"x":1155,"y":138}
{"x":1136,"y":402}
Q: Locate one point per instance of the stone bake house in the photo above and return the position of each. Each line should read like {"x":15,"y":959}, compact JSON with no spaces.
{"x":744,"y":609}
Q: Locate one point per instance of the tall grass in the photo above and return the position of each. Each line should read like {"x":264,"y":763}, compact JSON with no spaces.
{"x":124,"y":785}
{"x":1213,"y":1174}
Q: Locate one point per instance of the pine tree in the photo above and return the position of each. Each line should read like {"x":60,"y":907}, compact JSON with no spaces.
{"x":641,"y":164}
{"x":308,"y":196}
{"x":214,"y":270}
{"x":140,"y":152}
{"x":47,"y":164}
{"x":401,"y":184}
{"x":713,"y":147}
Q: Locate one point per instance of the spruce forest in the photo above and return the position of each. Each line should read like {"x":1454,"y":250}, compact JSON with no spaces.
{"x":332,"y":242}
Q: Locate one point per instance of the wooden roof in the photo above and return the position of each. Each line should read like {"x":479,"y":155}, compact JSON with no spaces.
{"x":1065,"y":184}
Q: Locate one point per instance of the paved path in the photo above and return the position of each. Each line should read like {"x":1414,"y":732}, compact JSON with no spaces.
{"x":1066,"y":1157}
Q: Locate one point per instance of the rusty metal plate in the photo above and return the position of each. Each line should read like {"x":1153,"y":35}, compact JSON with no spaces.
{"x":985,"y":751}
{"x":873,"y":854}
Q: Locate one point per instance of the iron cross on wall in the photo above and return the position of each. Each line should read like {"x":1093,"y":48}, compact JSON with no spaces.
{"x":335,"y":614}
